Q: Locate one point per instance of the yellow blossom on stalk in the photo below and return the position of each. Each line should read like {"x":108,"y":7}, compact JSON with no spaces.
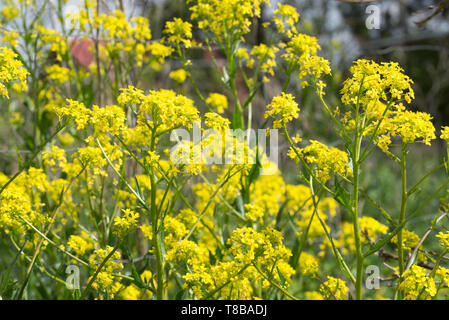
{"x":54,"y":157}
{"x":282,"y":109}
{"x":266,"y":56}
{"x":417,"y":284}
{"x":178,"y":75}
{"x":372,"y":227}
{"x":286,"y":15}
{"x":58,"y":74}
{"x":308,"y":264}
{"x":53,"y":38}
{"x":164,"y":109}
{"x":9,"y":13}
{"x":313,"y":295}
{"x":334,"y":288}
{"x":234,"y":18}
{"x":215,"y":121}
{"x":266,"y":248}
{"x":413,"y":127}
{"x":443,"y":274}
{"x":371,"y":82}
{"x":217,"y":101}
{"x":325,"y":160}
{"x":269,"y":193}
{"x":179,"y":31}
{"x":253,"y":212}
{"x":444,"y":239}
{"x":11,"y":70}
{"x":110,"y":119}
{"x":444,"y":133}
{"x":187,"y":251}
{"x":409,"y":239}
{"x":75,"y":111}
{"x":105,"y":282}
{"x":127,"y":222}
{"x":81,"y":244}
{"x":10,"y":37}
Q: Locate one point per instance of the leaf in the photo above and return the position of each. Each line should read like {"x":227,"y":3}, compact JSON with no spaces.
{"x":342,"y":196}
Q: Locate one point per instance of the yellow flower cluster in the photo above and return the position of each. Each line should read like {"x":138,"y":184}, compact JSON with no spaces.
{"x":334,"y":289}
{"x":308,"y":264}
{"x":126,"y":223}
{"x":105,"y":282}
{"x":417,"y":284}
{"x":409,"y":239}
{"x":11,"y":72}
{"x":444,"y":239}
{"x":234,"y":18}
{"x":218,"y":101}
{"x":282,"y":109}
{"x":325,"y":160}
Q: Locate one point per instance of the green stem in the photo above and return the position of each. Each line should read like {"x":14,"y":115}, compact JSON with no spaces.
{"x":403,"y":207}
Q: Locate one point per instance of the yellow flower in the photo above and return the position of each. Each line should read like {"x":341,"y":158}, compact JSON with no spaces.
{"x":217,"y":101}
{"x":444,"y":239}
{"x":444,"y":133}
{"x":323,"y":159}
{"x":178,"y":75}
{"x":179,"y":32}
{"x":409,"y":239}
{"x":308,"y":264}
{"x":282,"y":109}
{"x":126,"y":223}
{"x":80,"y":244}
{"x":334,"y":288}
{"x":11,"y":70}
{"x":417,"y":284}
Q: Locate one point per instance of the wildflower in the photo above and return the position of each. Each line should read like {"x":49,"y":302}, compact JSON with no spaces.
{"x":444,"y":239}
{"x":308,"y":264}
{"x":54,"y":157}
{"x":409,"y":239}
{"x":266,"y":56}
{"x":215,"y":121}
{"x":444,"y":133}
{"x":286,"y":15}
{"x":417,"y":284}
{"x":253,"y":212}
{"x":110,"y":119}
{"x":11,"y":70}
{"x":334,"y":288}
{"x":372,"y":227}
{"x":313,"y":295}
{"x":283,"y":109}
{"x":105,"y":282}
{"x":325,"y":160}
{"x":217,"y":101}
{"x":80,"y":244}
{"x":127,"y":222}
{"x":76,"y":111}
{"x":178,"y":75}
{"x":179,"y":32}
{"x":58,"y":74}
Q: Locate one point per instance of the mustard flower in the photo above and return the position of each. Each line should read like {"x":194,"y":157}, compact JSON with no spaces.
{"x":417,"y":284}
{"x":178,"y":75}
{"x":217,"y":101}
{"x":334,"y":288}
{"x":11,"y":70}
{"x":282,"y":109}
{"x":308,"y":264}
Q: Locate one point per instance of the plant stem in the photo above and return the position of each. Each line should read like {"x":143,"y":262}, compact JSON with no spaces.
{"x":403,"y":207}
